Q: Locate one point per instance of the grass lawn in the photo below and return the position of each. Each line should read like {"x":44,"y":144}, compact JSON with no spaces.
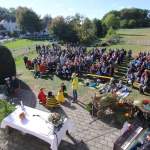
{"x":134,"y":39}
{"x":54,"y":82}
{"x":134,"y":47}
{"x":19,"y":46}
{"x":18,"y":43}
{"x":135,"y":33}
{"x":5,"y":109}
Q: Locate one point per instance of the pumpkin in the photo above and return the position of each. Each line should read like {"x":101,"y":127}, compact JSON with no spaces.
{"x":22,"y":115}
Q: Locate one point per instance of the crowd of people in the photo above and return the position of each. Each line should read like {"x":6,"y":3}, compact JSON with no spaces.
{"x":63,"y":62}
{"x":139,"y":71}
{"x":73,"y":58}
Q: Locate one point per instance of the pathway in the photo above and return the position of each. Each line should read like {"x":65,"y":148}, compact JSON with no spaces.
{"x":89,"y":134}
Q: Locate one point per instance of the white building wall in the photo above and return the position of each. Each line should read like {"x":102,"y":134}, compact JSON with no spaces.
{"x":10,"y":26}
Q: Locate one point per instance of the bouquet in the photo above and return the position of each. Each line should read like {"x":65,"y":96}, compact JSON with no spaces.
{"x":56,"y":119}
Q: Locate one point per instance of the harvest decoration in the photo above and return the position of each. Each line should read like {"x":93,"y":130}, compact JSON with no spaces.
{"x":22,"y":116}
{"x":55,"y":118}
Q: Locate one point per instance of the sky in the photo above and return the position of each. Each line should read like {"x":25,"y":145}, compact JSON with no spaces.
{"x":88,"y":8}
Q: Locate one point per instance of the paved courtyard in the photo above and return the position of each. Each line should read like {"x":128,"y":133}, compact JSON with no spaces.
{"x":89,"y":134}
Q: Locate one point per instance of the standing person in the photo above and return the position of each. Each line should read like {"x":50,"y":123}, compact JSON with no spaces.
{"x":75,"y":87}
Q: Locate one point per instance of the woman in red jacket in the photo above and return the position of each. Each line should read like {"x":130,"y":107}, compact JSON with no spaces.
{"x":42,"y":96}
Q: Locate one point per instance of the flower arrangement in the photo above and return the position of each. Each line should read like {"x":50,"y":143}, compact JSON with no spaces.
{"x":55,"y":118}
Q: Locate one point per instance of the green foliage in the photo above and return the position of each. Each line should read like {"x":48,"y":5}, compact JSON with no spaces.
{"x":127,"y":18}
{"x":111,"y":21}
{"x":123,"y":23}
{"x":28,"y":20}
{"x":87,"y":34}
{"x":112,"y":36}
{"x":111,"y":32}
{"x":18,"y":43}
{"x":7,"y":14}
{"x":46,"y":20}
{"x":100,"y":28}
{"x":132,"y":23}
{"x":73,"y":29}
{"x":5,"y":109}
{"x":63,"y":30}
{"x":7,"y":64}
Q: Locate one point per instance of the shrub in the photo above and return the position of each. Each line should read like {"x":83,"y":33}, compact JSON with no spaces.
{"x":7,"y":64}
{"x":5,"y":109}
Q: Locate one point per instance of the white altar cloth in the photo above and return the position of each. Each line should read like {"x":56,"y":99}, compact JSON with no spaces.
{"x":36,"y":124}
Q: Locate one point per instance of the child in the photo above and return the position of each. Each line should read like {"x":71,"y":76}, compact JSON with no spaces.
{"x":60,"y":96}
{"x":51,"y":100}
{"x":64,"y":89}
{"x":42,"y":96}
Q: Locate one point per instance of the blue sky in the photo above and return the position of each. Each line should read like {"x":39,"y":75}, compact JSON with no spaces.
{"x":89,"y":8}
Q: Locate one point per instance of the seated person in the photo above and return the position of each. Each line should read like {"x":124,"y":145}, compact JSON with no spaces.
{"x":15,"y":83}
{"x":36,"y":70}
{"x":51,"y":100}
{"x":130,"y":78}
{"x":64,"y":89}
{"x":64,"y":75}
{"x":42,"y":68}
{"x":108,"y":87}
{"x":68,"y":73}
{"x":29,"y":64}
{"x":145,"y":86}
{"x":145,"y":81}
{"x":25,"y":59}
{"x":59,"y":70}
{"x":42,"y":96}
{"x":60,"y":96}
{"x":143,"y":145}
{"x":111,"y":70}
{"x":92,"y":84}
{"x":130,"y":54}
{"x":8,"y":86}
{"x":119,"y":85}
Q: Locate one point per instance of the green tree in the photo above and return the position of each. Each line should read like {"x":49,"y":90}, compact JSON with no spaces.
{"x":125,"y":15}
{"x":88,"y":32}
{"x":46,"y":20}
{"x":124,"y":23}
{"x":111,"y":21}
{"x":28,"y":20}
{"x":132,"y":23}
{"x":111,"y":32}
{"x":62,"y":29}
{"x":99,"y":27}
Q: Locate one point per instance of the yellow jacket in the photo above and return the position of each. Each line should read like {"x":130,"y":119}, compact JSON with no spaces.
{"x":60,"y":97}
{"x":75,"y":83}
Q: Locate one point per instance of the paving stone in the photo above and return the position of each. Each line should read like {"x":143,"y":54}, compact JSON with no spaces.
{"x":96,"y":134}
